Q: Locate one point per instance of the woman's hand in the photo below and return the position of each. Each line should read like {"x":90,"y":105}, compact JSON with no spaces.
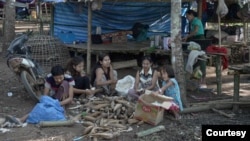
{"x":140,"y":90}
{"x":112,"y":82}
{"x":160,"y":91}
{"x":88,"y":92}
{"x":157,"y":92}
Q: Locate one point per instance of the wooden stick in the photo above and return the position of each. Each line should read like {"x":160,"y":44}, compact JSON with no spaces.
{"x":219,"y":30}
{"x":55,"y":123}
{"x":205,"y":108}
{"x":222,"y":113}
{"x":224,"y":101}
{"x":150,"y":131}
{"x":124,"y":64}
{"x":229,"y":102}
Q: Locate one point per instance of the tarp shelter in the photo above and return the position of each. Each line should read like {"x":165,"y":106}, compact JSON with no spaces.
{"x":72,"y":18}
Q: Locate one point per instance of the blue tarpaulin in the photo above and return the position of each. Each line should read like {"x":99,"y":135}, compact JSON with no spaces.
{"x":72,"y":17}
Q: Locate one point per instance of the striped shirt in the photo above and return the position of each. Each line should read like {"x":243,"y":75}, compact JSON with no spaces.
{"x":146,"y":80}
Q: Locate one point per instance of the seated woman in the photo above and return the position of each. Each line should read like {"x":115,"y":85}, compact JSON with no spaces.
{"x":146,"y":79}
{"x":170,"y":88}
{"x":75,"y":67}
{"x":59,"y":86}
{"x":103,"y":76}
{"x":196,"y":27}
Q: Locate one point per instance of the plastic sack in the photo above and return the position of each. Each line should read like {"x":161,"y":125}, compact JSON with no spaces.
{"x":48,"y":109}
{"x":124,"y":85}
{"x":197,"y":74}
{"x":193,"y":46}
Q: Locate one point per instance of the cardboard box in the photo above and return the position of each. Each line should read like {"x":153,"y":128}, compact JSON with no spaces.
{"x":150,"y":108}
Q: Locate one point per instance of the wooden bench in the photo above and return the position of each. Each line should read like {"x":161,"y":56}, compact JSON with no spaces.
{"x":237,"y":71}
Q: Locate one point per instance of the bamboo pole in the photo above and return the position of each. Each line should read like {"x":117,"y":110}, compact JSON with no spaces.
{"x":219,"y":28}
{"x":150,"y":131}
{"x":222,"y":113}
{"x":205,"y":108}
{"x":218,"y":73}
{"x":243,"y":100}
{"x":236,"y":90}
{"x":55,"y":123}
{"x":89,"y":37}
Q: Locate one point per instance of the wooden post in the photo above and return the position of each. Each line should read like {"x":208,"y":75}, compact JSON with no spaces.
{"x":218,"y":73}
{"x":236,"y":90}
{"x":200,"y":9}
{"x":40,"y":17}
{"x":52,"y":20}
{"x":89,"y":37}
{"x":219,"y":28}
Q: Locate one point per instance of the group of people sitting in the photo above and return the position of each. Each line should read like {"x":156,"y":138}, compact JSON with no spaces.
{"x":65,"y":83}
{"x":69,"y":82}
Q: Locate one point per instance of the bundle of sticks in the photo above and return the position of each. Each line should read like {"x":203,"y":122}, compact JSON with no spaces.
{"x":107,"y":117}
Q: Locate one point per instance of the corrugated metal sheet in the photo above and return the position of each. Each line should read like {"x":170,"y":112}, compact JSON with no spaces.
{"x":72,"y":17}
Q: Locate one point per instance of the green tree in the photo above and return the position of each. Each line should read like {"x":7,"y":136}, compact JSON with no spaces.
{"x":176,"y":48}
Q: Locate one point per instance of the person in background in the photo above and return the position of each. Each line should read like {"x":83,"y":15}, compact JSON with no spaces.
{"x":75,"y":68}
{"x":58,"y":85}
{"x":103,"y":76}
{"x":196,"y":27}
{"x":146,"y":79}
{"x":170,"y":88}
{"x":244,"y":12}
{"x":196,"y":32}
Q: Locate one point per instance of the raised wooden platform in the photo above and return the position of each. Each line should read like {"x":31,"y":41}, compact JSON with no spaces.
{"x":128,"y":47}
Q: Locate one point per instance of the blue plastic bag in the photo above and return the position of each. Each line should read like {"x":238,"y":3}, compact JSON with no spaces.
{"x":48,"y":109}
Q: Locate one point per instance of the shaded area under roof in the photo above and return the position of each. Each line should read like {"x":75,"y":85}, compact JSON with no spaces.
{"x":72,"y":18}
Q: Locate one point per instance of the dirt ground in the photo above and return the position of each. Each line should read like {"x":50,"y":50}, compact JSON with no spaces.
{"x":188,"y":128}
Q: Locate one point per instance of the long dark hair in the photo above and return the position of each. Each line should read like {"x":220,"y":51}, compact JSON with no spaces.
{"x":74,"y":62}
{"x":169,"y":70}
{"x":98,"y":65}
{"x":192,"y":12}
{"x":146,"y":57}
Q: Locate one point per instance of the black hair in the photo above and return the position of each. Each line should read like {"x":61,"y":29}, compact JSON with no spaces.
{"x":101,"y":57}
{"x":74,"y":62}
{"x":147,"y":58}
{"x":98,"y":65}
{"x":169,"y":70}
{"x":57,"y":70}
{"x":192,"y":12}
